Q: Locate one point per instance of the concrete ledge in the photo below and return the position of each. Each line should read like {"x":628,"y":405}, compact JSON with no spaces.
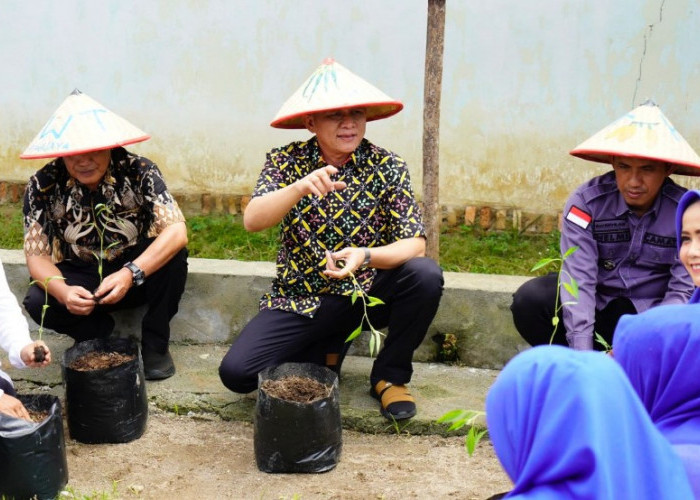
{"x":221,"y":296}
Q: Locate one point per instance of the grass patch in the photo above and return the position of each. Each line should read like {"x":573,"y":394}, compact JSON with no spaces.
{"x":11,"y":230}
{"x":462,"y":249}
{"x":473,"y":250}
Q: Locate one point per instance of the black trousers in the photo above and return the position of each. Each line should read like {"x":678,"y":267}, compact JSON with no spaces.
{"x":411,"y":294}
{"x":161,"y":292}
{"x":533,"y":310}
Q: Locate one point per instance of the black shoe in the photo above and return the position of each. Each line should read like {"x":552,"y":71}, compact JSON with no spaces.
{"x":157,"y":366}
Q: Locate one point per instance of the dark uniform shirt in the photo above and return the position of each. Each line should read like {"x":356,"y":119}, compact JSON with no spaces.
{"x":376,"y":208}
{"x":620,"y":254}
{"x":64,"y":219}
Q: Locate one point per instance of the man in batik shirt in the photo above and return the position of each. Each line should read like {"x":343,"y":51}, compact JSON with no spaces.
{"x":102,"y":218}
{"x":346,"y":209}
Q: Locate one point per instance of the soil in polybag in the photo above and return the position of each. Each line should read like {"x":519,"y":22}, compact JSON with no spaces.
{"x":298,"y":436}
{"x":107,"y":405}
{"x":33,"y":454}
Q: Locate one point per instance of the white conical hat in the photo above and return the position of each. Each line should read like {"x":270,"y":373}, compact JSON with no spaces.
{"x":79,"y":125}
{"x":644,"y":132}
{"x":333,"y":86}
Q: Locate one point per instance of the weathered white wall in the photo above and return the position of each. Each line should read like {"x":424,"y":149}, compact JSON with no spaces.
{"x":523,"y":82}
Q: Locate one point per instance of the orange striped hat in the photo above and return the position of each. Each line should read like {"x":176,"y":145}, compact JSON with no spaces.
{"x":330,"y":87}
{"x":80,"y":125}
{"x":644,"y":132}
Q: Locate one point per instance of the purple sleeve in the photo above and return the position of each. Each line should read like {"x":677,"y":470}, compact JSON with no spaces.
{"x":582,"y":266}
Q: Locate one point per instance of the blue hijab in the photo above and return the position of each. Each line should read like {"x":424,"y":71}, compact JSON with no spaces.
{"x":687,"y":199}
{"x":660,"y":352}
{"x":567,"y":424}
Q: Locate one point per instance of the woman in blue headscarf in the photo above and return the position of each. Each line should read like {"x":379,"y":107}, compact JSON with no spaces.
{"x":567,"y":424}
{"x":688,"y":239}
{"x":660,"y":352}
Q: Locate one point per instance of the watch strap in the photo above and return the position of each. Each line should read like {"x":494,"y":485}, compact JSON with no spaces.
{"x":368,"y":257}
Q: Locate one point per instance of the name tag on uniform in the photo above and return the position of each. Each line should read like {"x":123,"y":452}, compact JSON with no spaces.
{"x":579,"y":217}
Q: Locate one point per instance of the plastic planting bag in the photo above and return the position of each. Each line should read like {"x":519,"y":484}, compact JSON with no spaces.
{"x":33,"y":455}
{"x":106,"y":405}
{"x":293,"y":436}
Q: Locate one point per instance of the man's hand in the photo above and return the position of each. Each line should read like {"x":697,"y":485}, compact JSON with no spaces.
{"x":13,"y":407}
{"x":114,"y":287}
{"x":351,"y":257}
{"x":27,"y":354}
{"x":79,"y":301}
{"x":319,"y":182}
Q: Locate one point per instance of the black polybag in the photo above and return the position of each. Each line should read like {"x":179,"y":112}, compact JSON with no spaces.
{"x":107,"y":405}
{"x":297,"y":437}
{"x":33,"y":455}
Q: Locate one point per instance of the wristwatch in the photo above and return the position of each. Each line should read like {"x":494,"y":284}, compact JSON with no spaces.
{"x":365,"y":262}
{"x":138,"y":277}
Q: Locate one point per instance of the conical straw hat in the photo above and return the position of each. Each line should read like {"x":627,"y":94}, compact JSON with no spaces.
{"x":332,"y":86}
{"x":644,"y":132}
{"x":79,"y":125}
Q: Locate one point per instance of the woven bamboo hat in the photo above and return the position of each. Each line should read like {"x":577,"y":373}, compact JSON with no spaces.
{"x":79,"y":125}
{"x":333,"y":86}
{"x":644,"y":132}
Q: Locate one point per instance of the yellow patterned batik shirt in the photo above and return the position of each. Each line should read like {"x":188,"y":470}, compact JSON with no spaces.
{"x":377,"y":208}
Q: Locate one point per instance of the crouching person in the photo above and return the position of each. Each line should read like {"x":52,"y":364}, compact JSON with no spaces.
{"x":346,"y":208}
{"x":98,"y":211}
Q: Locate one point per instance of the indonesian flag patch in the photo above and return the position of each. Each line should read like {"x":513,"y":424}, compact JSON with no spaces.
{"x":579,"y":217}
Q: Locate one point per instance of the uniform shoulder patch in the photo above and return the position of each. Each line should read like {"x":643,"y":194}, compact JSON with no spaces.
{"x":579,"y":217}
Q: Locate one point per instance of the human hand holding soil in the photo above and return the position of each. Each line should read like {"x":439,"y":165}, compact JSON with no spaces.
{"x":36,"y":354}
{"x":114,"y":287}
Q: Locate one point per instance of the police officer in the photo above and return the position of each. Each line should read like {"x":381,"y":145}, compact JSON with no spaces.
{"x":622,"y":224}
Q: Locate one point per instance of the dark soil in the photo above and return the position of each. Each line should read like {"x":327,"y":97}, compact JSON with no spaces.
{"x":38,"y":415}
{"x":96,"y":360}
{"x":39,"y":353}
{"x":296,"y":389}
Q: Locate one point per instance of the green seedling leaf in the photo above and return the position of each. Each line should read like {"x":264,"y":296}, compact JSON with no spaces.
{"x":451,"y":416}
{"x":355,"y":333}
{"x":601,"y":340}
{"x":472,"y":439}
{"x":543,"y":263}
{"x":569,"y":252}
{"x":572,"y":288}
{"x":374,"y":301}
{"x":353,"y":297}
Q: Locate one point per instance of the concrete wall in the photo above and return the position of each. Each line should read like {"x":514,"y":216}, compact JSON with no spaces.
{"x":524,"y":82}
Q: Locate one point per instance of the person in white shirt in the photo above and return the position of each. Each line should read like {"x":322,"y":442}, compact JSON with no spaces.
{"x":14,"y":338}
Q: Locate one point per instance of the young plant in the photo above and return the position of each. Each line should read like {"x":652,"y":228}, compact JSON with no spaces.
{"x":375,"y":338}
{"x":607,"y":348}
{"x":460,"y":418}
{"x":39,"y":351}
{"x":571,"y":285}
{"x":101,"y":211}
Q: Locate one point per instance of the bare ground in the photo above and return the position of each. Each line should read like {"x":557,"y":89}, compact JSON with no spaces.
{"x":205,"y":457}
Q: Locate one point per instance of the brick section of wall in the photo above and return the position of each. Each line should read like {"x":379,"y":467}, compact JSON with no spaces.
{"x":486,"y":217}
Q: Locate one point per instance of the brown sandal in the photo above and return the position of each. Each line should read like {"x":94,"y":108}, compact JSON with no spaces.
{"x":396,"y":402}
